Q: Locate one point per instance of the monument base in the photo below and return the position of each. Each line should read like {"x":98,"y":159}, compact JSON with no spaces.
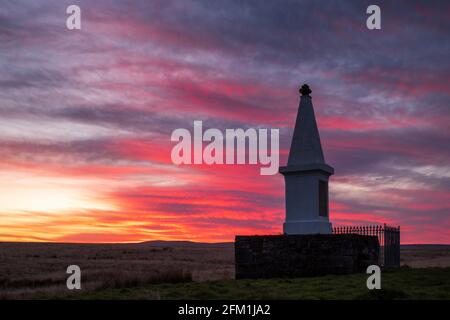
{"x":274,"y":256}
{"x":307,"y":227}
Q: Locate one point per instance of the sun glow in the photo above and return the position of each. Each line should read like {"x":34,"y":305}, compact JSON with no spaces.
{"x":44,"y":194}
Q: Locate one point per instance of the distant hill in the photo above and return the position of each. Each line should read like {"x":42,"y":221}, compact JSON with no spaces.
{"x":193,"y":244}
{"x":425,"y":246}
{"x":185,"y":244}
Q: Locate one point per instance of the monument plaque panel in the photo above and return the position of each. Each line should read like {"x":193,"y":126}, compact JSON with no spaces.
{"x":323,"y":198}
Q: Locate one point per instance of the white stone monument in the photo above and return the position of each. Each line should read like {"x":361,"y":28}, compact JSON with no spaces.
{"x":306,"y":175}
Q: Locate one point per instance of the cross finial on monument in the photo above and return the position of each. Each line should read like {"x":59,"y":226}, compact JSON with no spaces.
{"x":305,"y":90}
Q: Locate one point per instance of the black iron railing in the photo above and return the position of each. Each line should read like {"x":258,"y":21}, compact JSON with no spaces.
{"x":388,"y":237}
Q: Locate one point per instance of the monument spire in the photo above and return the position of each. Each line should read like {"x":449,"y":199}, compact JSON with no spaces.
{"x":306,"y":175}
{"x":305,"y":147}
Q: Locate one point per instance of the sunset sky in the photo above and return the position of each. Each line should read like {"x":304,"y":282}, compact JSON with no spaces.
{"x":86,"y":115}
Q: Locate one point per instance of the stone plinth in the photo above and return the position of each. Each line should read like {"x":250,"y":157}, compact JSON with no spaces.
{"x":303,"y":255}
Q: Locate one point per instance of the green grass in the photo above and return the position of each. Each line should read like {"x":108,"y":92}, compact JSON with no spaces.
{"x":402,"y":283}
